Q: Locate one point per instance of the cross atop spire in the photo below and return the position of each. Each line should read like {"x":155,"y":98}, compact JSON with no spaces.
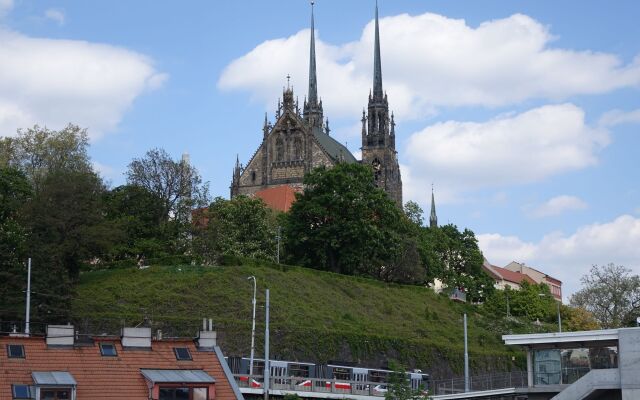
{"x":313,"y":81}
{"x":433,"y":218}
{"x":377,"y":63}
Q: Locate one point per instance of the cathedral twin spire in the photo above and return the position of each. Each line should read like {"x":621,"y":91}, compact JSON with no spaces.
{"x":313,"y":106}
{"x":377,"y":63}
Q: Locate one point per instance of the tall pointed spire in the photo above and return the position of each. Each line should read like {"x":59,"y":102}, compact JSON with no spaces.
{"x":313,"y":105}
{"x":377,"y":63}
{"x":433,"y":219}
{"x":313,"y":81}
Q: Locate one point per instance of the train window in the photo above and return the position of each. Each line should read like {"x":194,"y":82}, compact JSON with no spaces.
{"x":378,"y":376}
{"x":342,"y":373}
{"x":299,"y":370}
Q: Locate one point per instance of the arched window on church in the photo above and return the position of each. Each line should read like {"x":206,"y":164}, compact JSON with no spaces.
{"x":297,"y":148}
{"x":279,"y":150}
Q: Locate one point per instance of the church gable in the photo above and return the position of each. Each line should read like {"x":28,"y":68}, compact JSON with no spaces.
{"x":287,"y":139}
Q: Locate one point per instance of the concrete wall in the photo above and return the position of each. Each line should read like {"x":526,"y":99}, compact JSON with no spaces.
{"x":629,"y":363}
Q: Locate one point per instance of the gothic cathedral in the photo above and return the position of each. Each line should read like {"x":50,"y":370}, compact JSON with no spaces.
{"x":299,"y":141}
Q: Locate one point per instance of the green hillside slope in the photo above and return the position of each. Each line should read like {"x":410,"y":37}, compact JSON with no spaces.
{"x":315,"y":316}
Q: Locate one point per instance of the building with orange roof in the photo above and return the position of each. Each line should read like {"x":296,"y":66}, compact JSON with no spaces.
{"x":555,"y":285}
{"x":504,"y":277}
{"x":279,"y":198}
{"x":132,"y":366}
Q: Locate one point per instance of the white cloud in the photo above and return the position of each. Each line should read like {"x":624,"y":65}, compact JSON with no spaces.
{"x":53,"y":82}
{"x":556,"y":206}
{"x":5,"y":7}
{"x":569,"y":257}
{"x":431,"y":61}
{"x":55,"y":15}
{"x":506,"y":150}
{"x":618,"y":117}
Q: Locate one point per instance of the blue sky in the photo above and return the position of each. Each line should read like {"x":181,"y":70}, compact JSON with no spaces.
{"x":524,"y":114}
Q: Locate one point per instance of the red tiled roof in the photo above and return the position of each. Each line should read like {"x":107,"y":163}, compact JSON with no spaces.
{"x":101,"y":377}
{"x":279,"y":198}
{"x":507,"y":275}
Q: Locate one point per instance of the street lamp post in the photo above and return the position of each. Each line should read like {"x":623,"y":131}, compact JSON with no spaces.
{"x":253,"y":328}
{"x":558,"y":304}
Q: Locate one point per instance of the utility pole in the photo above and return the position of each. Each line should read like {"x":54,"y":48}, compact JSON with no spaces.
{"x":27,"y":328}
{"x":278,"y":236}
{"x":267,"y":365}
{"x":466,"y":357}
{"x":253,"y":329}
{"x":559,"y":320}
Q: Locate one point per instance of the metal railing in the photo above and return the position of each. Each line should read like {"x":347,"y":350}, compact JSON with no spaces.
{"x":481,"y":382}
{"x":316,"y":385}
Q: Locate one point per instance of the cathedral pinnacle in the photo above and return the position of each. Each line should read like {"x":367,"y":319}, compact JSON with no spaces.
{"x":377,"y":63}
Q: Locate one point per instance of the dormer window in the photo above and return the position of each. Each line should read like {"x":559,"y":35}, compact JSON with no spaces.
{"x":15,"y":351}
{"x":182,"y":353}
{"x":108,"y":350}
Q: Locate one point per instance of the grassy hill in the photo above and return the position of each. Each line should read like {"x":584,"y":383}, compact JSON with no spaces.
{"x":315,"y":316}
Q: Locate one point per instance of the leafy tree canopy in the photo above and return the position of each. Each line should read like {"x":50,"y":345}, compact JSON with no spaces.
{"x":454,"y":258}
{"x":177,"y":183}
{"x":612,"y":294}
{"x":343,"y":223}
{"x":414,"y":212}
{"x":38,"y":151}
{"x":14,"y":192}
{"x":241,"y":226}
{"x":138,"y":215}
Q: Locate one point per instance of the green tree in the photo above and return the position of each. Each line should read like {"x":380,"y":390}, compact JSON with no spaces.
{"x":14,"y":192}
{"x":414,"y":212}
{"x":579,"y":319}
{"x":39,"y":151}
{"x":399,"y":386}
{"x":343,"y":223}
{"x":67,"y":220}
{"x":454,"y":258}
{"x":611,"y":293}
{"x":241,"y":226}
{"x":139,"y":215}
{"x":531,"y":301}
{"x":177,"y":183}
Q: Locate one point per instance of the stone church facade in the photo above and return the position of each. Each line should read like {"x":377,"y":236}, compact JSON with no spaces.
{"x":300,"y":141}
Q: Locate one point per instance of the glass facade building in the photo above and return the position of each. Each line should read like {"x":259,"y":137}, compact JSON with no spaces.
{"x":565,"y":366}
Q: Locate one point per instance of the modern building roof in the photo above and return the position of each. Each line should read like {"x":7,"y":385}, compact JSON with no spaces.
{"x":278,"y":198}
{"x":112,"y":377}
{"x":564,"y":339}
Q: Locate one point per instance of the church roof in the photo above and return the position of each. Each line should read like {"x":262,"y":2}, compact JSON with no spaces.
{"x":279,"y":198}
{"x":335,"y":149}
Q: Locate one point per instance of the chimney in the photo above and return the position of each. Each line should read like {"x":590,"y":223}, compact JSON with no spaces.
{"x":207,"y":338}
{"x":60,"y":335}
{"x":136,"y":337}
